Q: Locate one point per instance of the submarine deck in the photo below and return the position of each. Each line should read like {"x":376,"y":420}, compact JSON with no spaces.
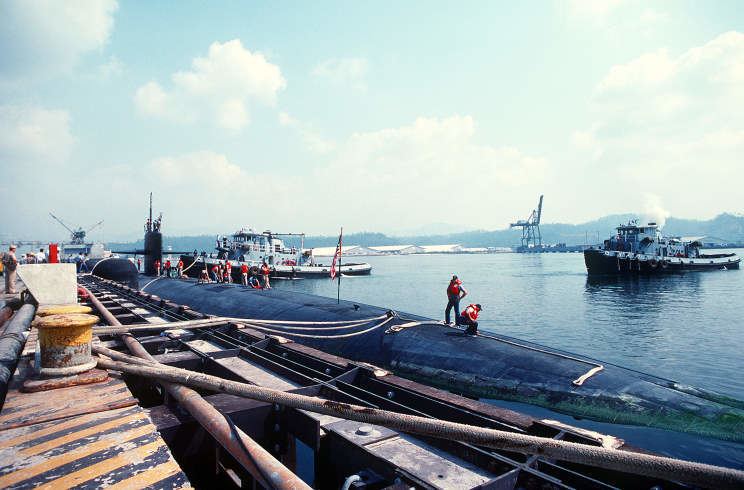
{"x":237,"y":352}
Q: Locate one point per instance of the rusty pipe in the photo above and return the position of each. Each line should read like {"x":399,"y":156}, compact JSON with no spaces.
{"x":264,"y":468}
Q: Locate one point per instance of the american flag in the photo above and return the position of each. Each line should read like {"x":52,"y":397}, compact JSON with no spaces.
{"x":337,"y":255}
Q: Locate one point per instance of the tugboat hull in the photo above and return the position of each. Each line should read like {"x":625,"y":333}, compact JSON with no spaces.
{"x":609,"y":262}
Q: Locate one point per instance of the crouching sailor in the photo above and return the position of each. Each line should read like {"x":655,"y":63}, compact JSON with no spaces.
{"x":469,"y":317}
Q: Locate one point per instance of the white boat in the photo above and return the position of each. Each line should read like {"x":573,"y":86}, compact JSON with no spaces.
{"x":253,"y":248}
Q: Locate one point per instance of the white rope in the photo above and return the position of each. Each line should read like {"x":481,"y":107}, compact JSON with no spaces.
{"x":306,"y":336}
{"x":143,"y":287}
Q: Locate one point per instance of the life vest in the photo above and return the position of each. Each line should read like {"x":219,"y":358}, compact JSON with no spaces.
{"x":454,"y":287}
{"x":244,"y":269}
{"x":180,"y":264}
{"x":157,"y":264}
{"x":228,"y":267}
{"x":215,"y":269}
{"x":471,"y":312}
{"x":265,"y":270}
{"x":167,"y":264}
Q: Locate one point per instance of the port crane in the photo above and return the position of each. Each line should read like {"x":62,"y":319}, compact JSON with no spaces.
{"x":531,"y":228}
{"x":77,"y":236}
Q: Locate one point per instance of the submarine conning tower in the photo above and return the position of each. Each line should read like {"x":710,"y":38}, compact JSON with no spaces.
{"x":153,"y":242}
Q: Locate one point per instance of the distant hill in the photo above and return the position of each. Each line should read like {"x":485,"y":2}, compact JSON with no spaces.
{"x":726,"y":226}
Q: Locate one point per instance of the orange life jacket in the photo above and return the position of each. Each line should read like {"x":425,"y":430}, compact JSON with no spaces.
{"x":244,"y":269}
{"x":454,"y":287}
{"x":180,"y":264}
{"x":471,"y":312}
{"x":265,"y":270}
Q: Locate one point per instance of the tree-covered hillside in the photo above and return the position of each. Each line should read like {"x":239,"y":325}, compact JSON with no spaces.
{"x":729,"y":227}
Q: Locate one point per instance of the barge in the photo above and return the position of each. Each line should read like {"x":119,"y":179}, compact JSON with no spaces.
{"x":641,"y":249}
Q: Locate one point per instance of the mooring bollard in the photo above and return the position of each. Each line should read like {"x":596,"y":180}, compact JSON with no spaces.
{"x":65,"y":343}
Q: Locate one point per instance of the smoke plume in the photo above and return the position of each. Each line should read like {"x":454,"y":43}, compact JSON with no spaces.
{"x":653,"y":211}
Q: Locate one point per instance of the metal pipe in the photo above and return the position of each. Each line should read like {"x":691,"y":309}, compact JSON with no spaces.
{"x":264,"y":468}
{"x":665,"y":468}
{"x":7,"y":307}
{"x":12,"y":341}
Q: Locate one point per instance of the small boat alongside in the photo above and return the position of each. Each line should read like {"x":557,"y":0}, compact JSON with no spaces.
{"x":641,"y":249}
{"x":252,"y":248}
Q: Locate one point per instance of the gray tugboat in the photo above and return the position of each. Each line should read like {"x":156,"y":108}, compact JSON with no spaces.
{"x":641,"y":249}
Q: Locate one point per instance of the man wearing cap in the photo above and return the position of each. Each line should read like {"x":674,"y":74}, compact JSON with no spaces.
{"x":455,"y":292}
{"x":10,"y":263}
{"x":469,"y":317}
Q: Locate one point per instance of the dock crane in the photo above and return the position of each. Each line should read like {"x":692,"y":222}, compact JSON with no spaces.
{"x":77,"y":236}
{"x":530,"y":228}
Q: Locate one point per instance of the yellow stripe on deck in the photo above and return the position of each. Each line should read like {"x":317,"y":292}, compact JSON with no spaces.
{"x":75,"y":454}
{"x":147,"y":477}
{"x":133,"y":456}
{"x":74,"y":436}
{"x":53,"y":427}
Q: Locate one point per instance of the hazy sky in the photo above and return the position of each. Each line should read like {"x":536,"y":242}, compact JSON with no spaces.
{"x":382,"y":116}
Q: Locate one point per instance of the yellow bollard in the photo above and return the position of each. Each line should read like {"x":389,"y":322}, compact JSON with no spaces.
{"x":65,"y":343}
{"x":47,"y":310}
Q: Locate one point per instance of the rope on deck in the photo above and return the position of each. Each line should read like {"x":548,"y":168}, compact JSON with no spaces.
{"x":704,"y":475}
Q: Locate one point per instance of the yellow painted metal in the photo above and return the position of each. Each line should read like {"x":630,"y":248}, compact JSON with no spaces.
{"x":47,"y":310}
{"x":65,"y":342}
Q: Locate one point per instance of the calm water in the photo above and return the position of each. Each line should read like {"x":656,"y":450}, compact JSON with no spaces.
{"x":686,"y":327}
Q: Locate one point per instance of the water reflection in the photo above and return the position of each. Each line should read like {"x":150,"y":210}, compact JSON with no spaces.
{"x":638,"y":310}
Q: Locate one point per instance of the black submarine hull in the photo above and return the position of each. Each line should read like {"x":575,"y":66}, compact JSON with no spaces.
{"x":487,"y":366}
{"x":114,"y":268}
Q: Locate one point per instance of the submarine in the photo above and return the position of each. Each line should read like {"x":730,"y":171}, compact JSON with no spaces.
{"x":486,"y":366}
{"x":491,"y":366}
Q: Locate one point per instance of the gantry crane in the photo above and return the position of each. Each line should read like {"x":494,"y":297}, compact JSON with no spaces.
{"x":77,"y":236}
{"x":531,"y":228}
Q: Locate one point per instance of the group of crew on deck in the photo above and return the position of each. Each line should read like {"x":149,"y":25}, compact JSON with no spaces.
{"x":469,"y":316}
{"x":220,"y":272}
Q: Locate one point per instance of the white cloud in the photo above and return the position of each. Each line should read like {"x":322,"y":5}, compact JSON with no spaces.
{"x":646,"y":70}
{"x":219,"y":88}
{"x":430,"y":168}
{"x":344,"y":71}
{"x":46,"y":37}
{"x":111,"y":68}
{"x":207,"y":187}
{"x":672,"y":125}
{"x":34,"y":134}
{"x":312,"y":141}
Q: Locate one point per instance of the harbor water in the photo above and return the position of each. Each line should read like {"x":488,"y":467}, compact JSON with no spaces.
{"x":685,"y":327}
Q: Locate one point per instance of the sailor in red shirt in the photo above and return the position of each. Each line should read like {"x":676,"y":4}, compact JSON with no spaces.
{"x":469,"y":317}
{"x":180,"y":267}
{"x":167,"y":268}
{"x":265,"y":271}
{"x":228,"y":271}
{"x":455,"y":292}
{"x":244,"y":274}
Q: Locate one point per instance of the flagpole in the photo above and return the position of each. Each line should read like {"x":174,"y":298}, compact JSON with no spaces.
{"x":340,"y":253}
